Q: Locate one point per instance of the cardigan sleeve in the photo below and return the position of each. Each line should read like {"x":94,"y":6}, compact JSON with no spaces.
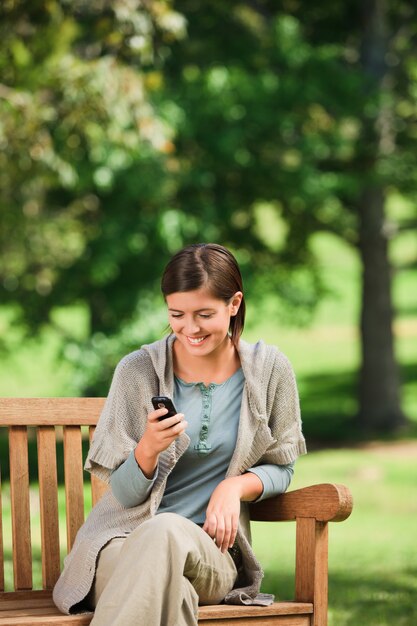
{"x":123,"y":417}
{"x":284,"y":418}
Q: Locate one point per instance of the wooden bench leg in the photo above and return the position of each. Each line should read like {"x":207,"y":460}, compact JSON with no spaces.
{"x":311,"y":569}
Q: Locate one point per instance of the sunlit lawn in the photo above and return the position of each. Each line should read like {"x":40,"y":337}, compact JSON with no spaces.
{"x":373,"y":554}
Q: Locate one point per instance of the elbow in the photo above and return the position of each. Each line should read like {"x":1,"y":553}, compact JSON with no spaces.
{"x":125,"y":502}
{"x":127,"y":499}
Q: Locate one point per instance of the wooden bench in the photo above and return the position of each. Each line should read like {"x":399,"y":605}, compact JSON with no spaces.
{"x":70,"y":420}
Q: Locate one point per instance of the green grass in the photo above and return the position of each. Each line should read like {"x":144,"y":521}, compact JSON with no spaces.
{"x":372,"y":556}
{"x":34,"y":367}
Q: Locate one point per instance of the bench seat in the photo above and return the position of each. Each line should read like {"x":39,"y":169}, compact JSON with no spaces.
{"x":20,"y":608}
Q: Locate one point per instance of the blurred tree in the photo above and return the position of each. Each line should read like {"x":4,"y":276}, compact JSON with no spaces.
{"x":83,"y":153}
{"x":123,"y":140}
{"x":379,"y":389}
{"x":305,"y":115}
{"x":89,"y":175}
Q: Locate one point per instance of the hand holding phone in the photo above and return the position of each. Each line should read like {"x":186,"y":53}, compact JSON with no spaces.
{"x":163,"y":402}
{"x":157,"y":437}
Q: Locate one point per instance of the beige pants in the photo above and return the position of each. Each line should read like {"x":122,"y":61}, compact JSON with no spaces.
{"x":159,"y":574}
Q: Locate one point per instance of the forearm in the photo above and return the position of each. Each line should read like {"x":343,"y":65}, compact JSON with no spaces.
{"x":146,"y":459}
{"x":249,"y":486}
{"x":129,"y":485}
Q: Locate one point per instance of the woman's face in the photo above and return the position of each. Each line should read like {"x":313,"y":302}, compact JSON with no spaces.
{"x":199,"y":321}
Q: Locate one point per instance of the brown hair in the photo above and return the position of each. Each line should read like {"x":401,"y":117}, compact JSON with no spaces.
{"x":207,"y":265}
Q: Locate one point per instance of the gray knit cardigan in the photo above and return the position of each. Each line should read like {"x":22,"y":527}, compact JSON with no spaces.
{"x":269,"y":432}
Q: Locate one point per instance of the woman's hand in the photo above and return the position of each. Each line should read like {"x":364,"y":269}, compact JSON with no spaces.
{"x":158,"y":436}
{"x":222,"y":514}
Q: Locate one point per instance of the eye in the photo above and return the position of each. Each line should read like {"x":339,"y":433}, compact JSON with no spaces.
{"x":176,"y":315}
{"x":206,"y":316}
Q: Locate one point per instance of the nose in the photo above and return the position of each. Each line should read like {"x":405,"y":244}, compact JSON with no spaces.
{"x":191,"y":326}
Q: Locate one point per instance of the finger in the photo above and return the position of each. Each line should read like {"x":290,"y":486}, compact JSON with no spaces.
{"x":220,"y":534}
{"x":174,"y":432}
{"x":168,"y":422}
{"x":225,"y":545}
{"x":233,"y":533}
{"x":210,"y":525}
{"x":226,"y":538}
{"x":155,"y":416}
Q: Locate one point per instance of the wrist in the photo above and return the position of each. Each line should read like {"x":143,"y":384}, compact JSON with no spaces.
{"x":237,"y":484}
{"x":248,"y":486}
{"x":146,"y":459}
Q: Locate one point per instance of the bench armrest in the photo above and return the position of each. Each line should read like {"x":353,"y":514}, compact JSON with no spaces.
{"x":326,"y":503}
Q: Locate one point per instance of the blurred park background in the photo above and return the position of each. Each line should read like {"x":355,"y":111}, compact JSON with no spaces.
{"x":284,"y":130}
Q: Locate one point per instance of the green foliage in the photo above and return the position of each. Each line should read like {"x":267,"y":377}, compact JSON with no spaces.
{"x":128,"y":130}
{"x":84,"y":153}
{"x":282,"y":113}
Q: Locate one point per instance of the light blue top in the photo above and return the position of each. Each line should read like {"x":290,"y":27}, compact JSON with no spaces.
{"x":212,"y":413}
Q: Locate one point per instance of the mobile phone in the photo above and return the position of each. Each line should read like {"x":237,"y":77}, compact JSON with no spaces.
{"x":163,"y":402}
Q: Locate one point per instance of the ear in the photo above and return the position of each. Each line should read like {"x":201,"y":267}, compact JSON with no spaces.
{"x":235,"y":303}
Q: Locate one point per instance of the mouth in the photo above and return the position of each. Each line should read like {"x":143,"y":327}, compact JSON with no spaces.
{"x":196,"y":341}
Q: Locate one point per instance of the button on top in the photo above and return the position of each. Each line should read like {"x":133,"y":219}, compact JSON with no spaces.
{"x":203,"y":447}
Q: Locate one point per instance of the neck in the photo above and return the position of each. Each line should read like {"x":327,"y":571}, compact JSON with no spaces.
{"x":214,"y":367}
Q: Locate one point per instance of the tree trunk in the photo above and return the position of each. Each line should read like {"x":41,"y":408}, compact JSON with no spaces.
{"x":379,"y":384}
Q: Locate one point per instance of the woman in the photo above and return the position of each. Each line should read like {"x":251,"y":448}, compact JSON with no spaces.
{"x":173,"y":531}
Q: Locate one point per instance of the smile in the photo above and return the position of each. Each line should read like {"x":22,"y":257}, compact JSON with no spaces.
{"x":196,"y":341}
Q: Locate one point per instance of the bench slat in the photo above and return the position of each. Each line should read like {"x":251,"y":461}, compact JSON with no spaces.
{"x":25,"y":599}
{"x":52,"y":620}
{"x":74,"y":494}
{"x":1,"y":543}
{"x":48,"y":497}
{"x":56,"y":619}
{"x":47,"y":411}
{"x":19,"y":497}
{"x":29,"y":612}
{"x":271,"y":620}
{"x":231,"y":611}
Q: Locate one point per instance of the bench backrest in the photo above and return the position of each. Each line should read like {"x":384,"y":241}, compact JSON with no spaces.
{"x":48,"y":421}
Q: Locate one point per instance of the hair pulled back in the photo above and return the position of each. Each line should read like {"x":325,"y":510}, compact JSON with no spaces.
{"x":211,"y":266}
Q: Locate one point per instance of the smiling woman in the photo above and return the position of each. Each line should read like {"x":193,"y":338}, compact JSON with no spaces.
{"x":203,"y":347}
{"x":211,"y":267}
{"x":180,"y":486}
{"x":203,"y":289}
